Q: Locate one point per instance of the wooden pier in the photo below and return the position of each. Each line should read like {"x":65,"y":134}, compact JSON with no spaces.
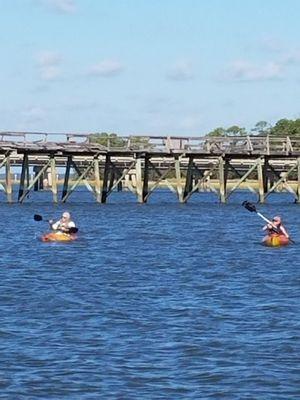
{"x":185,"y":165}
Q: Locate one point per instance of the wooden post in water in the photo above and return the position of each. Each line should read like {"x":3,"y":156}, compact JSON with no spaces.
{"x":111,"y":177}
{"x":53,"y":178}
{"x":97,"y":180}
{"x":67,"y":177}
{"x":23,"y":174}
{"x":298,"y":180}
{"x":178,"y":179}
{"x":261,"y":181}
{"x":139,"y":181}
{"x":223,"y":172}
{"x":265,"y":174}
{"x":39,"y":184}
{"x":107,"y":167}
{"x":189,"y":179}
{"x":8,"y":180}
{"x":146,"y":178}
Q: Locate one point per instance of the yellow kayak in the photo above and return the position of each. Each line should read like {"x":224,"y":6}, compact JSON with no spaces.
{"x":275,"y":240}
{"x":58,"y":237}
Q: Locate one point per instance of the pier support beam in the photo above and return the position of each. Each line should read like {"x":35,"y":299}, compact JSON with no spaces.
{"x":82,"y":175}
{"x":8,"y":180}
{"x":67,"y":177}
{"x":283,"y":181}
{"x":223,"y":173}
{"x":178,"y":179}
{"x":107,"y":168}
{"x":97,"y":180}
{"x":139,"y":180}
{"x":298,"y":180}
{"x":39,"y":185}
{"x":261,"y":181}
{"x":146,"y":178}
{"x":25,"y":189}
{"x":189,"y":178}
{"x":24,"y":170}
{"x":53,"y":179}
{"x":242,"y":179}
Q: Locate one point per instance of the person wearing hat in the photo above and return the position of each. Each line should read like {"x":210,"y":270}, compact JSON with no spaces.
{"x":64,"y":224}
{"x":276,"y":227}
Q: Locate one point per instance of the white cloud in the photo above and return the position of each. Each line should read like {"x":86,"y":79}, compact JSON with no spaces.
{"x":49,"y":64}
{"x":241,"y":70}
{"x":181,"y":71}
{"x":61,"y":6}
{"x":106,"y":68}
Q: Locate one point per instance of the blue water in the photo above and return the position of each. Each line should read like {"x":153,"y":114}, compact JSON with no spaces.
{"x":155,"y":301}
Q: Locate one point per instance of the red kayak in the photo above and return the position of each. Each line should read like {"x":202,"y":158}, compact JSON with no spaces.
{"x":58,"y":237}
{"x":275,"y":240}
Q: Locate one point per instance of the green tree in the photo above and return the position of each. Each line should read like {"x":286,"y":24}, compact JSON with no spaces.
{"x":217,"y":132}
{"x":235,"y":130}
{"x":262,"y":128}
{"x":140,"y":142}
{"x":107,"y":139}
{"x":286,"y":127}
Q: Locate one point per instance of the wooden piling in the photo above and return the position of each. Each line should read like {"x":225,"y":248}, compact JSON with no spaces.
{"x":8,"y":183}
{"x":178,"y":179}
{"x":106,"y":173}
{"x":53,"y":179}
{"x":67,"y":177}
{"x":139,"y":179}
{"x":298,"y":180}
{"x":23,"y":176}
{"x":97,"y":180}
{"x":223,"y":170}
{"x":146,"y":178}
{"x":261,"y":180}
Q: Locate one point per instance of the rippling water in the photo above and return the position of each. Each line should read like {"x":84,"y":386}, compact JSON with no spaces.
{"x":155,"y":301}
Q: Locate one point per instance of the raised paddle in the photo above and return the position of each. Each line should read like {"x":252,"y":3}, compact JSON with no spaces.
{"x":251,"y":207}
{"x":38,"y":217}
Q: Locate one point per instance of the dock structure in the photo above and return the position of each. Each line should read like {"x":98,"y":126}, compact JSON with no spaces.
{"x":185,"y":165}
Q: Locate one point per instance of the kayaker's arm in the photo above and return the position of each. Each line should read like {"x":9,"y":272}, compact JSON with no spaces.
{"x":268,"y":226}
{"x":283,"y":230}
{"x":54,"y":226}
{"x":271,"y":228}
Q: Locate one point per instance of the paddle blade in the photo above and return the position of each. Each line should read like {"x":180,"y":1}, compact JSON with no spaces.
{"x":37,"y":217}
{"x":73,"y":230}
{"x":249,"y":206}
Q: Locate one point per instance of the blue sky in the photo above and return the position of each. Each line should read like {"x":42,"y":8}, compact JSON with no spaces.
{"x":181,"y":67}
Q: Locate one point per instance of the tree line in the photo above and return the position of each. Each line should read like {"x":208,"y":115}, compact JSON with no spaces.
{"x":283,"y":127}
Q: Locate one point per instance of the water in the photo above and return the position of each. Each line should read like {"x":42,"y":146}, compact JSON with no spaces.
{"x":155,"y":301}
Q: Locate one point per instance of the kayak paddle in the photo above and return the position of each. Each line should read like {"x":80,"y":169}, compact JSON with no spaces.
{"x":251,"y":207}
{"x":38,"y":217}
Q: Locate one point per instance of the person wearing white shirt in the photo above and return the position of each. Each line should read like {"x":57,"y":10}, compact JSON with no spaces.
{"x":64,"y":224}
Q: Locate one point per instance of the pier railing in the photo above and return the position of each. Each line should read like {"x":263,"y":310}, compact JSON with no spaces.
{"x":260,"y":145}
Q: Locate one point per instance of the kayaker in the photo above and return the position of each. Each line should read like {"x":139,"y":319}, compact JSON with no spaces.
{"x":64,"y":224}
{"x":276,"y":227}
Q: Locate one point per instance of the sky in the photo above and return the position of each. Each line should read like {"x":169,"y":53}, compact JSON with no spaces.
{"x":148,"y":67}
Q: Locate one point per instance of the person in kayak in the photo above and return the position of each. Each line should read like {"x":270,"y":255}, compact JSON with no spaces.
{"x":276,"y":227}
{"x":64,"y":224}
